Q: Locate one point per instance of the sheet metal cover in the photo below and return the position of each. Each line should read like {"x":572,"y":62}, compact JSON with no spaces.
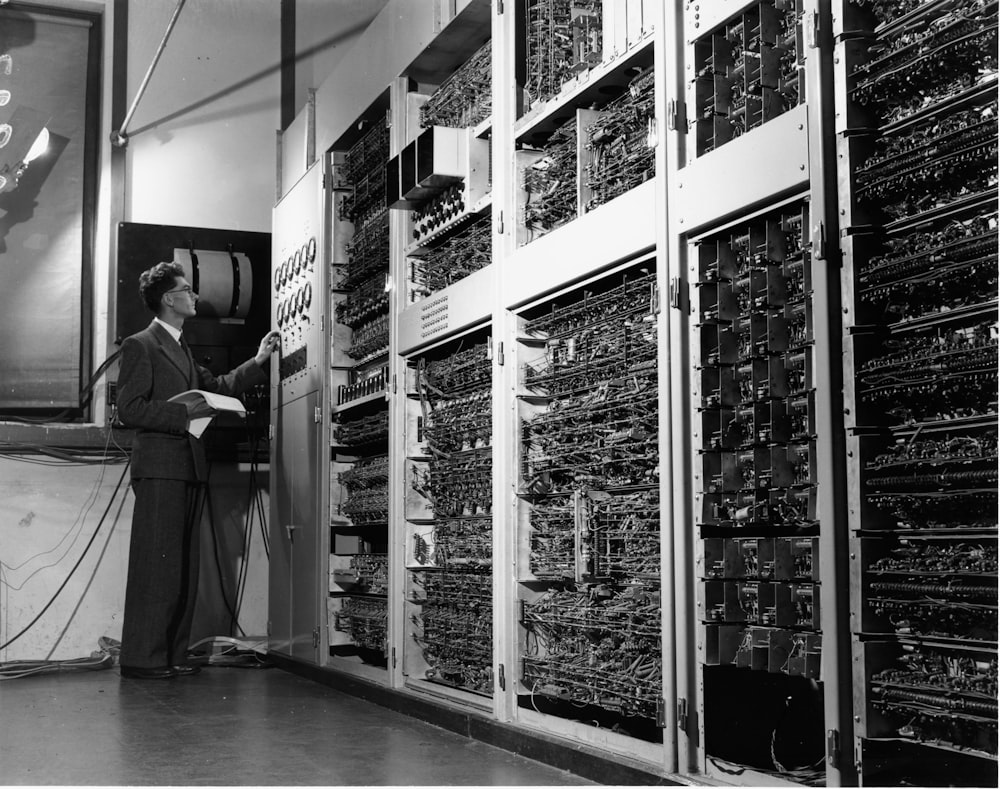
{"x":224,"y":282}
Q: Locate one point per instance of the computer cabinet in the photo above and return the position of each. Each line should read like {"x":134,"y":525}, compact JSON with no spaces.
{"x":298,"y":445}
{"x":356,"y":413}
{"x":761,"y":540}
{"x":916,"y":152}
{"x":594,"y":452}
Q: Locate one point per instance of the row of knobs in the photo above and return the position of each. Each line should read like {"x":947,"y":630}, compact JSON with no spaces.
{"x":295,"y":305}
{"x":303,"y":259}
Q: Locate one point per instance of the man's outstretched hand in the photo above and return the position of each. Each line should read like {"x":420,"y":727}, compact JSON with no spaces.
{"x":268,"y":345}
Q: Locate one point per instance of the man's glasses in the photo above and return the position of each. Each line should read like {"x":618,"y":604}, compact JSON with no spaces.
{"x":185,"y":289}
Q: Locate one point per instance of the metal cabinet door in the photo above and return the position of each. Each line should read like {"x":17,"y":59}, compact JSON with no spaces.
{"x":295,"y":533}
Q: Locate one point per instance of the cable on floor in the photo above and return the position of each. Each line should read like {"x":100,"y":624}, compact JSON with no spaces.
{"x":235,"y":652}
{"x":99,"y":660}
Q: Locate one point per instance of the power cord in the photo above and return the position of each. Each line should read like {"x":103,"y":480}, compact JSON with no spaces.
{"x":104,"y":658}
{"x":207,"y":499}
{"x":236,"y":652}
{"x":255,"y":511}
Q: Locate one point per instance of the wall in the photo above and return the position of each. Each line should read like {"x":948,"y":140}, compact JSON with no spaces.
{"x":325,"y":31}
{"x":47,"y":516}
{"x":201,"y":143}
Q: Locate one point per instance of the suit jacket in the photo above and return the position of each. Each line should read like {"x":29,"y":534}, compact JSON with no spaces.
{"x":154,"y":368}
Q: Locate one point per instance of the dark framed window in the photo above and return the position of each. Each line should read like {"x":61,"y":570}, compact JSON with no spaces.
{"x":50,"y":63}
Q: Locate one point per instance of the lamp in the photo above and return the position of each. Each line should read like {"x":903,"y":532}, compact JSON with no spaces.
{"x":23,"y":138}
{"x":38,"y":147}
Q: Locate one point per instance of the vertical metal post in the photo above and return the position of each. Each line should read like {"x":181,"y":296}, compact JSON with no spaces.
{"x":674,"y":527}
{"x":288,"y":25}
{"x":398,"y":438}
{"x":676,"y":496}
{"x":506,"y":602}
{"x":831,"y":465}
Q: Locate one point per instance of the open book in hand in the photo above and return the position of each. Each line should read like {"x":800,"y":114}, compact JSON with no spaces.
{"x":218,"y":402}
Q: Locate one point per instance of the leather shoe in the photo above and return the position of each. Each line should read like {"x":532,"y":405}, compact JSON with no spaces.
{"x":137,"y":672}
{"x":186,"y":670}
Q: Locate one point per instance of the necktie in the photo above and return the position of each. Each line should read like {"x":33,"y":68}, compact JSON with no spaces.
{"x":190,"y":358}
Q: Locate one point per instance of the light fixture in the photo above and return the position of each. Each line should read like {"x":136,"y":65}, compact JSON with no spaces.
{"x":38,"y":147}
{"x":23,"y":138}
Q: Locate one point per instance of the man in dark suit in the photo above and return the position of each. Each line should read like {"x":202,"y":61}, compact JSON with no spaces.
{"x":169,"y":470}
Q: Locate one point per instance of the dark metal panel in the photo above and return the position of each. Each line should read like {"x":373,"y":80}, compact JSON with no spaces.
{"x":143,"y":245}
{"x":287,"y":62}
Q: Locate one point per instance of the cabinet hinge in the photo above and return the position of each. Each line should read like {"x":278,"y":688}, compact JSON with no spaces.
{"x":676,"y":115}
{"x":500,"y":354}
{"x":270,"y":432}
{"x":388,"y":119}
{"x":317,"y":415}
{"x":316,"y":636}
{"x":682,"y":715}
{"x":654,"y":299}
{"x":501,"y":679}
{"x":499,"y":6}
{"x":394,"y":657}
{"x":661,"y":713}
{"x":833,"y":747}
{"x":812,"y":30}
{"x":500,"y":223}
{"x":678,"y":295}
{"x":394,"y":383}
{"x":322,"y":323}
{"x":819,"y":241}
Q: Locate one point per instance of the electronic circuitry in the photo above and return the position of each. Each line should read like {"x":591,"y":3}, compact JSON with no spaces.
{"x":359,"y":479}
{"x":589,"y":604}
{"x":450,"y":568}
{"x":917,"y":149}
{"x":923,"y":348}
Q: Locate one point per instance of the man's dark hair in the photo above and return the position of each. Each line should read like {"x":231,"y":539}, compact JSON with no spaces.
{"x":154,"y":282}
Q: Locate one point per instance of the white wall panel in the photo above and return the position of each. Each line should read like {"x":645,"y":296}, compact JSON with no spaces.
{"x":201,"y":142}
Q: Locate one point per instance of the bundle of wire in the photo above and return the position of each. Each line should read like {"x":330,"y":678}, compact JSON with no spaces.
{"x":18,"y":669}
{"x":247,"y":652}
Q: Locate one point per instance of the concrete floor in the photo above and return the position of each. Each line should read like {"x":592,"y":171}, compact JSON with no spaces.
{"x":233,"y":726}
